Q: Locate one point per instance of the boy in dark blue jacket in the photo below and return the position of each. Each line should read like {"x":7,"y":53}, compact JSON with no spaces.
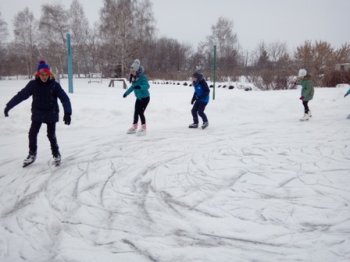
{"x":45,"y":91}
{"x":199,"y":100}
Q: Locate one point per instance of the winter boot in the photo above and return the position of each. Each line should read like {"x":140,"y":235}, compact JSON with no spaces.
{"x":205,"y":125}
{"x":57,"y":159}
{"x":29,"y":160}
{"x":142,"y":130}
{"x":132,"y":129}
{"x":305,"y":118}
{"x":193,"y":125}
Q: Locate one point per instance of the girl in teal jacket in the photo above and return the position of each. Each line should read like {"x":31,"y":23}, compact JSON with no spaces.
{"x":140,"y":87}
{"x":347,"y":93}
{"x":307,"y":92}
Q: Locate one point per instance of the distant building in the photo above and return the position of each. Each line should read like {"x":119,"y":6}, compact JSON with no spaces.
{"x":342,"y":67}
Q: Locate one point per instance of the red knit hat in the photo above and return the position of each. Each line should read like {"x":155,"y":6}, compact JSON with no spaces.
{"x":43,"y":67}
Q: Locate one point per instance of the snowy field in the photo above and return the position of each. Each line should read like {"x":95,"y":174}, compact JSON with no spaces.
{"x":257,"y":185}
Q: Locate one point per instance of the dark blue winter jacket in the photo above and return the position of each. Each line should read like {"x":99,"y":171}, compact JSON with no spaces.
{"x":201,"y":91}
{"x":44,"y":105}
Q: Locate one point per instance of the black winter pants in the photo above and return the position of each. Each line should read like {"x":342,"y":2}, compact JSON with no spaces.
{"x":198,"y":109}
{"x":306,"y":107}
{"x":140,"y":108}
{"x":51,"y":134}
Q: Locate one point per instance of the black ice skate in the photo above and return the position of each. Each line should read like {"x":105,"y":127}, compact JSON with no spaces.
{"x":193,"y":125}
{"x":205,"y":125}
{"x":29,"y":160}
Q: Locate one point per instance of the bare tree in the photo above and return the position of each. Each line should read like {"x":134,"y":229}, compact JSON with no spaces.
{"x":79,"y":26}
{"x":168,"y":58}
{"x":125,"y":26}
{"x":3,"y":30}
{"x":54,"y":25}
{"x":277,"y":50}
{"x":342,"y":55}
{"x":226,"y":41}
{"x":3,"y":37}
{"x":317,"y":58}
{"x":25,"y":31}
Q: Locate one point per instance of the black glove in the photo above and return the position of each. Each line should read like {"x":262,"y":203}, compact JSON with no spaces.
{"x":137,"y":87}
{"x":131,"y":78}
{"x":193,"y":100}
{"x":67,"y":119}
{"x":6,"y":112}
{"x":125,"y":95}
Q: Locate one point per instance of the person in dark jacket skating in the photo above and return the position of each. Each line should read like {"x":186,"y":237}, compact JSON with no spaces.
{"x":44,"y":91}
{"x":199,"y":100}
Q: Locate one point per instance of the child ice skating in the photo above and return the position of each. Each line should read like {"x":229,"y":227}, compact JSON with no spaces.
{"x":199,"y":100}
{"x":307,"y":93}
{"x":140,"y":87}
{"x":346,"y":94}
{"x":45,"y":91}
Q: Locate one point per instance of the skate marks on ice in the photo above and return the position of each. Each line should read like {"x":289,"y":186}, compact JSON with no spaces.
{"x":248,"y":192}
{"x":176,"y":198}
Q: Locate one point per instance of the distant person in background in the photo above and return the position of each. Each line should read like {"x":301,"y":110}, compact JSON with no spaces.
{"x":45,"y":91}
{"x":199,"y":100}
{"x":307,"y":92}
{"x":346,"y":94}
{"x":140,"y":86}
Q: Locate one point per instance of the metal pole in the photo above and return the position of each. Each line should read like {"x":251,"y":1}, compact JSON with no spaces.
{"x":214,"y":71}
{"x":70,"y":64}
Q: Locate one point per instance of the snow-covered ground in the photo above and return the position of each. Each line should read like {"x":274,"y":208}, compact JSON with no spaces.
{"x":257,"y":185}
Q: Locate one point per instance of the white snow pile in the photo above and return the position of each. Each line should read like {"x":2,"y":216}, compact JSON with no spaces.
{"x":257,"y":185}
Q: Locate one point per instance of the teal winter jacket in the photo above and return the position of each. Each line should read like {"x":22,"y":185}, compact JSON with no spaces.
{"x":139,"y":87}
{"x":347,"y":93}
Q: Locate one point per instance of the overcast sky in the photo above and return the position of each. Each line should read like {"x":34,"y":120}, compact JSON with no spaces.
{"x":189,"y":21}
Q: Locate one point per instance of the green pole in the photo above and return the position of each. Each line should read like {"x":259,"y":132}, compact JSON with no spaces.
{"x":214,"y":71}
{"x":70,"y":64}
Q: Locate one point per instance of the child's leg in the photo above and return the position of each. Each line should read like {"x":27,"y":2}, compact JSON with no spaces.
{"x":51,"y":134}
{"x":194,"y":112}
{"x":144,"y":104}
{"x":306,"y":106}
{"x":138,"y":107}
{"x":201,"y":113}
{"x":33,"y":134}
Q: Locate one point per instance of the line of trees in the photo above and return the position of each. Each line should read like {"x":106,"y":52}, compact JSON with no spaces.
{"x":127,"y":30}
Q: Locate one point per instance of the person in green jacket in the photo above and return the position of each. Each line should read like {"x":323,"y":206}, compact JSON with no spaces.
{"x":140,"y":86}
{"x":307,"y":92}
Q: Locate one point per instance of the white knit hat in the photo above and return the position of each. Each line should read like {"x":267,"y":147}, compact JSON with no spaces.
{"x":302,"y":72}
{"x":135,"y":66}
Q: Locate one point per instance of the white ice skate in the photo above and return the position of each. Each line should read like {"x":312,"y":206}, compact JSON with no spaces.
{"x":132,"y":130}
{"x":57,"y":160}
{"x":141,"y":131}
{"x":306,"y":117}
{"x":310,"y":114}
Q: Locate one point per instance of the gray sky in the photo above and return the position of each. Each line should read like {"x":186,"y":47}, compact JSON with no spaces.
{"x":189,"y":21}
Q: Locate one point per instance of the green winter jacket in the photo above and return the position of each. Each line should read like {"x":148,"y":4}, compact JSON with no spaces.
{"x":307,"y":91}
{"x":142,"y":86}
